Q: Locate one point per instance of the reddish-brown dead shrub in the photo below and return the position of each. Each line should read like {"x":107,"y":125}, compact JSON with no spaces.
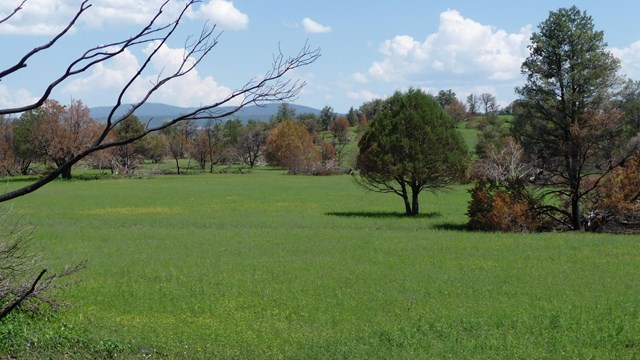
{"x":504,"y":206}
{"x":614,"y":205}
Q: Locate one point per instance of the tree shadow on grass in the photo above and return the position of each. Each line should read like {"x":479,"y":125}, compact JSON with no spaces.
{"x":452,"y":227}
{"x":383,"y":214}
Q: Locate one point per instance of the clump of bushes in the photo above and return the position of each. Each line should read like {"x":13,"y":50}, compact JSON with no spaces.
{"x":506,"y":206}
{"x":614,"y":205}
{"x":501,"y":199}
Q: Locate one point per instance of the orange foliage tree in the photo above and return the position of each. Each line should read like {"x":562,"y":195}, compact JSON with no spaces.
{"x":7,"y":163}
{"x":614,"y":205}
{"x":65,"y":131}
{"x":290,"y":145}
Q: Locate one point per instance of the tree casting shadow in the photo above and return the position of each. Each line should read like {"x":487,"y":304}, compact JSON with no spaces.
{"x":383,"y":214}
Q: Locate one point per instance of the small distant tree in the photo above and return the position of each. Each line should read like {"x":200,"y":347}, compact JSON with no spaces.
{"x":445,"y":98}
{"x":327,"y":116}
{"x":456,"y":110}
{"x":472,"y":104}
{"x":291,"y":146}
{"x":127,"y":156}
{"x":370,"y":109}
{"x":310,"y":121}
{"x":489,"y":104}
{"x":200,"y":149}
{"x":339,"y":130}
{"x":285,"y":112}
{"x":7,"y":158}
{"x":353,"y":117}
{"x":411,"y":145}
{"x":24,"y":139}
{"x":179,"y":141}
{"x":251,"y":143}
{"x":492,"y":135}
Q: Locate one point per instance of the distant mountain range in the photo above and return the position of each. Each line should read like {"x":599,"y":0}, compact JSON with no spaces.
{"x":156,"y":114}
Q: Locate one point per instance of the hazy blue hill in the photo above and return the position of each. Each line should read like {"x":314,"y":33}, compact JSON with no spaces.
{"x":159,"y":113}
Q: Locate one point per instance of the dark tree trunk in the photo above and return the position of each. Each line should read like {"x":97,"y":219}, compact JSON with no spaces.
{"x":177,"y":165}
{"x":66,"y":173}
{"x":405,"y":197}
{"x":415,"y":205}
{"x":576,"y":216}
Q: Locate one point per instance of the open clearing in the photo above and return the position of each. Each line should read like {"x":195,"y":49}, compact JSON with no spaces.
{"x":267,"y":265}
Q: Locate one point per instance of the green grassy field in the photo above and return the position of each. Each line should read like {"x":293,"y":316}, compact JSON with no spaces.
{"x":267,"y":265}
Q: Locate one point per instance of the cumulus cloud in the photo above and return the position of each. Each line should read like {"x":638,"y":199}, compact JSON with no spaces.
{"x":12,"y":98}
{"x":192,"y":89}
{"x":460,"y":47}
{"x":311,"y":26}
{"x":360,"y":77}
{"x":223,"y":13}
{"x":48,"y":17}
{"x":363,"y":95}
{"x":629,"y":59}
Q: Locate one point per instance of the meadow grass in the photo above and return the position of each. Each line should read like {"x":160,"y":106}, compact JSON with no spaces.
{"x":268,"y":265}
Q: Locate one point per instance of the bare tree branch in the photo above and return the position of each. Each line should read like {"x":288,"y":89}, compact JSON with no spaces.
{"x":273,"y":86}
{"x":15,"y":11}
{"x":23,"y":62}
{"x":18,"y":301}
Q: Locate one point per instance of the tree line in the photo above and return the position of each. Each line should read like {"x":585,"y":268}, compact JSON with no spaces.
{"x":53,"y":133}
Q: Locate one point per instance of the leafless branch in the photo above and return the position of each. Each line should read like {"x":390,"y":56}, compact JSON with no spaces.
{"x":273,"y":86}
{"x":15,"y":11}
{"x":23,"y":62}
{"x":22,"y":298}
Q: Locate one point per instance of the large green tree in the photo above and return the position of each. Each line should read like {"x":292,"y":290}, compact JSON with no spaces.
{"x":562,"y":118}
{"x":411,"y":145}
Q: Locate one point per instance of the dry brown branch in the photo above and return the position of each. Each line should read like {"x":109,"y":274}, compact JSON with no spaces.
{"x":273,"y":86}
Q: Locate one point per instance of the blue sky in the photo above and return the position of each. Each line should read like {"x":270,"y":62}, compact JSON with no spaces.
{"x":369,"y":48}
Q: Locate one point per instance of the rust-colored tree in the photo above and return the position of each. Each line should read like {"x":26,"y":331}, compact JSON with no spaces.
{"x":7,"y":157}
{"x":339,"y":130}
{"x":65,"y":131}
{"x":290,"y":145}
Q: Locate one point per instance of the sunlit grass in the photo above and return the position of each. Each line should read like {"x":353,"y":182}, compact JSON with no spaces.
{"x":267,"y":265}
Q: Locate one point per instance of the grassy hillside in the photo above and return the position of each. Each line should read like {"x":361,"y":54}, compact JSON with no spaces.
{"x":267,"y":265}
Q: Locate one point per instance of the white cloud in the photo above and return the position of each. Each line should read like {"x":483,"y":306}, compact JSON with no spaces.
{"x":363,"y":95}
{"x":192,"y":89}
{"x":223,"y":13}
{"x":12,"y":98}
{"x":629,"y":60}
{"x":360,"y":77}
{"x":311,"y":26}
{"x":48,"y":17}
{"x":460,"y":47}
